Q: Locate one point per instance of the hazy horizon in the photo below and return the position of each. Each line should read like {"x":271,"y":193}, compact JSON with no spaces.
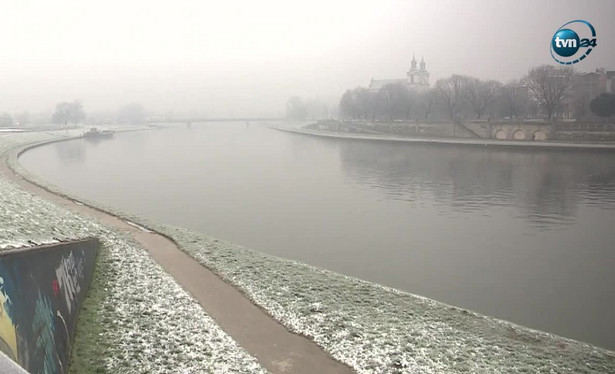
{"x":235,"y":58}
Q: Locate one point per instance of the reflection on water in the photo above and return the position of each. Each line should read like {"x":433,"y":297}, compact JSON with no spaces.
{"x":522,"y":235}
{"x":545,"y":186}
{"x":70,"y":152}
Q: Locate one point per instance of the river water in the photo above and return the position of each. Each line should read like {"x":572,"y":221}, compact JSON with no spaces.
{"x":527,"y":236}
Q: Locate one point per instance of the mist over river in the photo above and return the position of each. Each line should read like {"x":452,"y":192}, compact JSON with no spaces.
{"x":523,"y":235}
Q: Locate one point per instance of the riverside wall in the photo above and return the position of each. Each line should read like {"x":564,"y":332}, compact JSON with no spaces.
{"x":41,"y":292}
{"x":518,"y":143}
{"x":512,"y":130}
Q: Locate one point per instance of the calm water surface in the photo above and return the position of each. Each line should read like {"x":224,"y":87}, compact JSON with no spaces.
{"x":526,"y":236}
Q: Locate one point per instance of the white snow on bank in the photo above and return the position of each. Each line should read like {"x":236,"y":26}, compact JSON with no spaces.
{"x":381,"y":330}
{"x":151,"y":324}
{"x":377,"y":329}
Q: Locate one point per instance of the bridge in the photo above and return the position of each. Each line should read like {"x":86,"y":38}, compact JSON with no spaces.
{"x":189,"y":120}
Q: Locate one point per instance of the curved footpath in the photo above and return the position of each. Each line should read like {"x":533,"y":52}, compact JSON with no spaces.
{"x":468,"y":142}
{"x":275,"y":348}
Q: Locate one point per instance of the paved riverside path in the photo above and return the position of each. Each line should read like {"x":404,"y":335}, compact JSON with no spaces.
{"x":275,"y":348}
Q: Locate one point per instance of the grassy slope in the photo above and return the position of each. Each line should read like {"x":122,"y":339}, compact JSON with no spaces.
{"x":90,"y":344}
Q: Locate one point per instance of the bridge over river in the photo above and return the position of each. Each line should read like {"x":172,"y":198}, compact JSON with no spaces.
{"x":191,"y":120}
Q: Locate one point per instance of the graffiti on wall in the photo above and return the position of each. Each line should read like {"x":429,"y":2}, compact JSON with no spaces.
{"x":8,"y":334}
{"x":41,"y":290}
{"x":68,"y":276}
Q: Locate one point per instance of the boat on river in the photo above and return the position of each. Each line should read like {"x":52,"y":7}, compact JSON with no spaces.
{"x":94,"y":133}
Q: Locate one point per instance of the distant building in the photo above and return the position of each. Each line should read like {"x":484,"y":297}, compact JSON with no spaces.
{"x":588,"y":86}
{"x":610,"y":82}
{"x":415,"y":78}
{"x":595,"y":83}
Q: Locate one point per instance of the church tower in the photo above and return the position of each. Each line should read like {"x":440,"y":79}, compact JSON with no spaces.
{"x":415,"y":77}
{"x":424,"y":74}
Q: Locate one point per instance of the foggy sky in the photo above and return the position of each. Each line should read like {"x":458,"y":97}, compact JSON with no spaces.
{"x":233,"y":58}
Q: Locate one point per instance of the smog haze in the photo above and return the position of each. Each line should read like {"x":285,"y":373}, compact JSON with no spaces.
{"x":236,"y":58}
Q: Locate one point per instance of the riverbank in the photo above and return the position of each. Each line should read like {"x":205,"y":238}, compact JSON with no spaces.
{"x":467,"y":142}
{"x":378,"y":329}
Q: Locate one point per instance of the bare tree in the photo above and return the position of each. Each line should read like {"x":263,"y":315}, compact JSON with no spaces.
{"x":514,"y":98}
{"x":366,"y":103}
{"x":424,"y":103}
{"x":550,"y":86}
{"x":411,"y":102}
{"x":480,"y":94}
{"x":358,"y":103}
{"x":347,"y":105}
{"x":62,"y":114}
{"x":394,"y":100}
{"x":450,"y":92}
{"x":68,"y":112}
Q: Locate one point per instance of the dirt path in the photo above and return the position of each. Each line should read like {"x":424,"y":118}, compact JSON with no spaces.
{"x":276,"y":349}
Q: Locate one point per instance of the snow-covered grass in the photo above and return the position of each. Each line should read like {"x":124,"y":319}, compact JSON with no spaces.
{"x":376,"y":329}
{"x":144,"y":322}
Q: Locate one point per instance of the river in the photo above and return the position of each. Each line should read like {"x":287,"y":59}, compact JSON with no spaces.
{"x":523,"y":235}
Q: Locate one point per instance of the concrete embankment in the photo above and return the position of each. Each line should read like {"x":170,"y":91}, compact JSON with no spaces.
{"x":468,"y":142}
{"x":41,"y":291}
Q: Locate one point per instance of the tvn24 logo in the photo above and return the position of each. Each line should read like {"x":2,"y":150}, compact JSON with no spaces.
{"x":567,"y":47}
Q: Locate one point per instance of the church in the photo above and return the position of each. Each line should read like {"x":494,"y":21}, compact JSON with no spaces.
{"x":415,"y":78}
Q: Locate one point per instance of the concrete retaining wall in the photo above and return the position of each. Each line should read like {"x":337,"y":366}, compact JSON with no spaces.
{"x":521,"y":131}
{"x":480,"y":129}
{"x":41,"y":291}
{"x":517,"y":130}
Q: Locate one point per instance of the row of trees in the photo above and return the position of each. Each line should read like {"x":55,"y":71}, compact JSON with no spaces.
{"x":451,"y":97}
{"x":73,"y":113}
{"x":66,"y":113}
{"x":544,"y":90}
{"x":391,"y":101}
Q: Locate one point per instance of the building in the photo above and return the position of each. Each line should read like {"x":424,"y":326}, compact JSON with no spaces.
{"x":610,"y":82}
{"x":587,"y":87}
{"x":415,"y":78}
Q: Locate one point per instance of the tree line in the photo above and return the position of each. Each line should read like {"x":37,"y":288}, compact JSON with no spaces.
{"x":546,"y":91}
{"x":72,"y":113}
